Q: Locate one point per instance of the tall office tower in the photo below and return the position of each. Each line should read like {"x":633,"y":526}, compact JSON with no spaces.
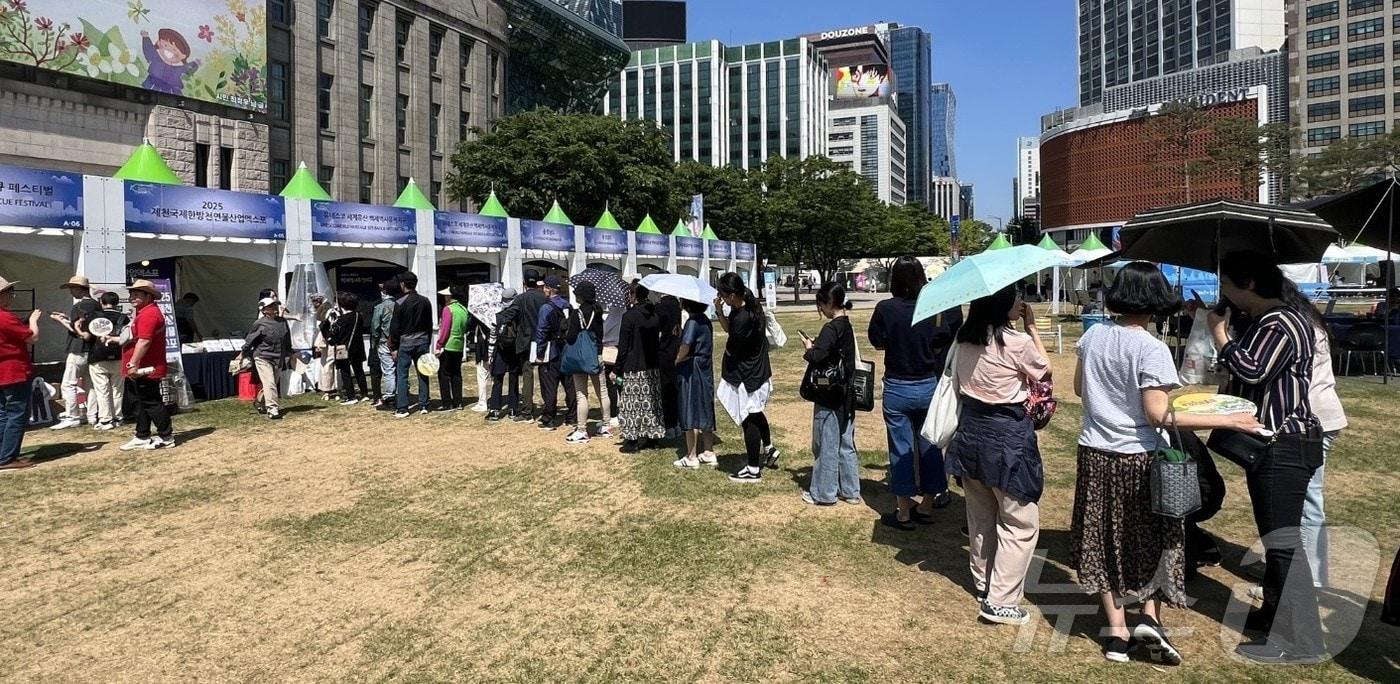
{"x":945,"y":197}
{"x":729,"y":105}
{"x":966,"y":201}
{"x":1343,"y":82}
{"x":911,"y":59}
{"x":1122,"y":41}
{"x":869,"y":138}
{"x":944,"y":107}
{"x":1027,"y":173}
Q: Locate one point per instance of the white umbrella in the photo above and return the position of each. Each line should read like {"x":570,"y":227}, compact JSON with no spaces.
{"x":681,"y":286}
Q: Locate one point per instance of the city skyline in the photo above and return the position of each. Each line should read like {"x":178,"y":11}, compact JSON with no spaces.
{"x":1001,"y":92}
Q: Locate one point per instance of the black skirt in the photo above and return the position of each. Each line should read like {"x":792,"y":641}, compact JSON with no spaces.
{"x":996,"y":445}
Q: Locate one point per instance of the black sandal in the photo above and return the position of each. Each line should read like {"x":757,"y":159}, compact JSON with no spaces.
{"x":892,"y":520}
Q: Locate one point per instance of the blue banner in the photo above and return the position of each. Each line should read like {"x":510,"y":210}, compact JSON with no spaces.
{"x":604,"y":241}
{"x":553,"y":237}
{"x":469,"y":230}
{"x":720,"y":249}
{"x":348,"y":222}
{"x":651,"y":244}
{"x":180,"y":210}
{"x":1192,"y":282}
{"x":745,"y":251}
{"x":40,"y":199}
{"x":689,"y":247}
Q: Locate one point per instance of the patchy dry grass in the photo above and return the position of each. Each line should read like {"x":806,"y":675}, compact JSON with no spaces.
{"x":340,"y":545}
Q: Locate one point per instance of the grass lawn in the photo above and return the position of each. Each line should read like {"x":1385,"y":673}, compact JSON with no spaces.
{"x":341,"y":545}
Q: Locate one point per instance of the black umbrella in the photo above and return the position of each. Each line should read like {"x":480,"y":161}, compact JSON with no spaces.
{"x":611,"y":288}
{"x":1198,"y":235}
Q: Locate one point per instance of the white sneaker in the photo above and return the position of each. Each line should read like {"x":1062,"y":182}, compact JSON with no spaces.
{"x":615,"y":423}
{"x":604,"y":430}
{"x":66,"y":423}
{"x":349,"y":402}
{"x":708,"y":459}
{"x":100,"y":427}
{"x":160,"y":443}
{"x":577,"y":437}
{"x":479,"y":408}
{"x":747,"y":476}
{"x":687,"y":462}
{"x":138,"y":444}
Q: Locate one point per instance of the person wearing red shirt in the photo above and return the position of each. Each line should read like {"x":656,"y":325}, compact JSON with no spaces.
{"x":16,"y":372}
{"x":143,"y":365}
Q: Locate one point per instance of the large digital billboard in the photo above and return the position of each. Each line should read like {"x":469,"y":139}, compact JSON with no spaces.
{"x":203,"y":50}
{"x":869,"y":80}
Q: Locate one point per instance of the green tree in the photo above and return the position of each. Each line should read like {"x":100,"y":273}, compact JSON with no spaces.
{"x":1244,"y":150}
{"x":1346,"y":164}
{"x":733,"y":201}
{"x":1169,"y":135}
{"x":1023,"y":230}
{"x":817,"y":212}
{"x":974,"y":236}
{"x":910,"y":229}
{"x":586,"y":162}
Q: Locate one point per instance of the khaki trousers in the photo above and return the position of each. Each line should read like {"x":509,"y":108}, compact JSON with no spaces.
{"x":1002,"y":534}
{"x":108,"y":391}
{"x":268,"y":377}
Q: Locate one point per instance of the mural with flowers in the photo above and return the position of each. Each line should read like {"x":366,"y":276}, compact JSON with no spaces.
{"x":201,"y":49}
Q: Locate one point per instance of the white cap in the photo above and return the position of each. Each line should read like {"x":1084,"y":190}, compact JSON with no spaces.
{"x":266,"y":302}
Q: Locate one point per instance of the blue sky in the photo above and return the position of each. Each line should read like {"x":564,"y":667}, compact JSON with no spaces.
{"x":1009,"y":62}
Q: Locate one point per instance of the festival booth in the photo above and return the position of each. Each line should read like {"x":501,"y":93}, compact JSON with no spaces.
{"x":471,"y":248}
{"x":605,"y":246}
{"x":691,"y":257}
{"x":651,"y":251}
{"x":719,"y":256}
{"x":41,"y":221}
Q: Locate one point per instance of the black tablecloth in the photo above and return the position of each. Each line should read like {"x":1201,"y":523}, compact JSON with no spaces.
{"x":208,"y":375}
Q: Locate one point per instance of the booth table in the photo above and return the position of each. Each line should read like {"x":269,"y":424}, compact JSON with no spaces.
{"x":207,"y":373}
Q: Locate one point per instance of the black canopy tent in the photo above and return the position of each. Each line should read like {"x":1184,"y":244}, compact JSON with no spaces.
{"x":1367,"y":216}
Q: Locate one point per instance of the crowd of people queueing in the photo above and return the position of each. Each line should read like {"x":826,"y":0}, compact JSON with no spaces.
{"x":652,"y":376}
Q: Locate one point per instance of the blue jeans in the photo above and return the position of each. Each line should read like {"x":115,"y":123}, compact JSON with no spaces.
{"x":837,"y":470}
{"x":387,"y":369}
{"x":1314,"y":528}
{"x":906,"y":405}
{"x":408,"y":363}
{"x":14,"y":418}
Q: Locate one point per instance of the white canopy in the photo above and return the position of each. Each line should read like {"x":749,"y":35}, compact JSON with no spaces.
{"x":1368,"y":255}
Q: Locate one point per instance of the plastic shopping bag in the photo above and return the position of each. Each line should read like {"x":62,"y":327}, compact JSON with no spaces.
{"x":1199,"y":358}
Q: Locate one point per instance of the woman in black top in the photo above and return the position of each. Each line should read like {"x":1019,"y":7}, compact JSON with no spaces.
{"x":836,"y":473}
{"x":747,"y":377}
{"x":587,"y":316}
{"x":1271,"y":365}
{"x":914,"y":358}
{"x":638,"y":357}
{"x":343,"y":331}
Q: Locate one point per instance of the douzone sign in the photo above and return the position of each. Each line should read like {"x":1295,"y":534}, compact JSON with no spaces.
{"x":843,"y":33}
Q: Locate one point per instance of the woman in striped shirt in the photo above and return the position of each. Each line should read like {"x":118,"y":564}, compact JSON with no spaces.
{"x":1271,"y":365}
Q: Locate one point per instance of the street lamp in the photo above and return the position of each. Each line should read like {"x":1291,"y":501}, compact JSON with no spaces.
{"x":1000,"y":223}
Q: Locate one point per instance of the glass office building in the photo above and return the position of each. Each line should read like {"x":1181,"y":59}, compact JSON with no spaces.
{"x":1124,"y":41}
{"x":722,"y":105}
{"x":562,"y":53}
{"x":605,"y":14}
{"x":911,"y":58}
{"x":944,"y":107}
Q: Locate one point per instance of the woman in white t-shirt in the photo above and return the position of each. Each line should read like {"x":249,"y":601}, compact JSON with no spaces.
{"x":1118,"y":546}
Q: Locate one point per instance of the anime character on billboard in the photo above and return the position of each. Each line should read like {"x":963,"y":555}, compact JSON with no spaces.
{"x":169,"y":61}
{"x":862,"y":81}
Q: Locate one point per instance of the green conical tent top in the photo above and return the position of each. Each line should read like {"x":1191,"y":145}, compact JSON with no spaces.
{"x":493,"y":207}
{"x":648,"y":226}
{"x":304,"y":186}
{"x":145,"y":165}
{"x":1047,"y":243}
{"x":607,"y":222}
{"x":413,"y":198}
{"x":709,"y":233}
{"x":556,"y":215}
{"x":1000,"y":243}
{"x":681,"y":230}
{"x":1093,"y":242}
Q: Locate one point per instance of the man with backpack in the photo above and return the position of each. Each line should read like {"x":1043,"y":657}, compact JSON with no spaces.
{"x":547,"y":352}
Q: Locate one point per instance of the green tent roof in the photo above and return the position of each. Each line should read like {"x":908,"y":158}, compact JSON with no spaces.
{"x":709,"y":233}
{"x":648,"y":226}
{"x":413,"y":198}
{"x":304,"y":186}
{"x":145,"y":165}
{"x":607,"y":222}
{"x":1000,"y":243}
{"x":681,"y":230}
{"x":1047,"y":243}
{"x":493,"y":207}
{"x":1093,"y":242}
{"x":556,"y":215}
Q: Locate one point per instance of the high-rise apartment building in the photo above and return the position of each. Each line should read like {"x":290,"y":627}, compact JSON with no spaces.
{"x":911,"y":60}
{"x":1345,"y":74}
{"x":870,"y":139}
{"x":1027,"y":173}
{"x":943,"y":125}
{"x":1123,"y":41}
{"x":736,"y":105}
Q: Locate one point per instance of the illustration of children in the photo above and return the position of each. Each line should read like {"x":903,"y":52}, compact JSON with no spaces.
{"x":169,"y":61}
